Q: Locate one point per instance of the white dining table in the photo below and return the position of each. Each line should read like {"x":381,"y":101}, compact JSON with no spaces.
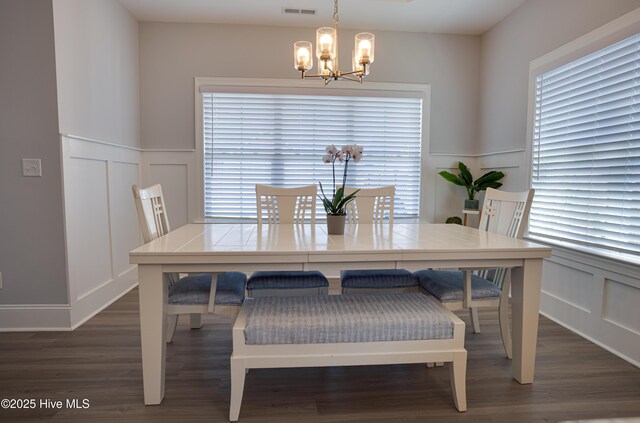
{"x":216,"y":248}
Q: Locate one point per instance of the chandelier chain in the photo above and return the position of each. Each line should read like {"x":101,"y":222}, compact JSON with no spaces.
{"x":335,"y":14}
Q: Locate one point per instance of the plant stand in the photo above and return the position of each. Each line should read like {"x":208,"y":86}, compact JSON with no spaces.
{"x":466,"y":213}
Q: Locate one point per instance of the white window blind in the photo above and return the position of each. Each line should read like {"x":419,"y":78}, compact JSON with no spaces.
{"x":279,"y":139}
{"x":586,"y":151}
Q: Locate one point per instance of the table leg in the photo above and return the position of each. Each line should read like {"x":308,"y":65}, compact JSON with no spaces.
{"x":526,"y":282}
{"x":153,"y":310}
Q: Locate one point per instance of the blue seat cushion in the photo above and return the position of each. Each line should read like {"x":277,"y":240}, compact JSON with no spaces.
{"x":386,"y":278}
{"x":448,"y":285}
{"x":290,"y":279}
{"x":195,"y":289}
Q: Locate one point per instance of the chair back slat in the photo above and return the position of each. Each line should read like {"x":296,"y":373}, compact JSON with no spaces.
{"x":285,"y":205}
{"x":371,"y":205}
{"x":152,"y":215}
{"x":505,"y":213}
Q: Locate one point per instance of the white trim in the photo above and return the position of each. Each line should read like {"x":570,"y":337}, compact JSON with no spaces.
{"x":101,"y":306}
{"x":168,"y":150}
{"x":306,"y":83}
{"x":34,"y":317}
{"x":211,"y":82}
{"x":494,"y":153}
{"x":590,"y":338}
{"x":110,"y":144}
{"x":616,"y":30}
{"x":47,"y":317}
{"x":606,"y":35}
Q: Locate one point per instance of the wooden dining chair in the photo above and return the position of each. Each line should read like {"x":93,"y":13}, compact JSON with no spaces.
{"x":504,"y":213}
{"x":193,"y":294}
{"x":371,"y":206}
{"x":297,"y":206}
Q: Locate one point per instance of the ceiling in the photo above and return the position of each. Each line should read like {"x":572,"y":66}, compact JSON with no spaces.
{"x":437,"y":16}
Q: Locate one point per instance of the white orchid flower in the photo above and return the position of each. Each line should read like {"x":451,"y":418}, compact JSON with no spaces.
{"x":327,"y":158}
{"x":331,"y":149}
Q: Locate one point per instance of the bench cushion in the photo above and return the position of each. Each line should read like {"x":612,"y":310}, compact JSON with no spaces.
{"x":383,"y":278}
{"x":290,"y":279}
{"x":448,"y":285}
{"x":345,"y":318}
{"x":195,"y":289}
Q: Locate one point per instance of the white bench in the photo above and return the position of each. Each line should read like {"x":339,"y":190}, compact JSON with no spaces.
{"x":346,"y":330}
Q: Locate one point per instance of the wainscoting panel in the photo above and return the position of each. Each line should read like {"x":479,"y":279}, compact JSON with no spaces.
{"x":569,"y":285}
{"x":621,"y":305}
{"x":100,"y":222}
{"x":593,"y":296}
{"x":127,"y":236}
{"x":176,"y":172}
{"x":87,"y":225}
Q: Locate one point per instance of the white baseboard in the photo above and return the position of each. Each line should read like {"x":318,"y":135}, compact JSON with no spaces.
{"x":92,"y":304}
{"x":35,"y":317}
{"x":63,"y":317}
{"x":591,"y":339}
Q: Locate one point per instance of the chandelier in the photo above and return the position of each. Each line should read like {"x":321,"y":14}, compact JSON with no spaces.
{"x":327,"y":54}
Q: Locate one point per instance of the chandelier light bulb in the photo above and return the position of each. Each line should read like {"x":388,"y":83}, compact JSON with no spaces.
{"x":302,"y":59}
{"x":326,"y":43}
{"x":365,"y":46}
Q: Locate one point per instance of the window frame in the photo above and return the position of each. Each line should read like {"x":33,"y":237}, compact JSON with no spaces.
{"x":258,"y":85}
{"x":607,"y":35}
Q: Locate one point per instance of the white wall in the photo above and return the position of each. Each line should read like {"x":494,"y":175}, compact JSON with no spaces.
{"x":32,"y":251}
{"x":97,"y":70}
{"x":589,"y":295}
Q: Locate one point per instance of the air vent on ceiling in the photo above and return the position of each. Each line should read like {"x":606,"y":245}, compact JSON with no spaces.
{"x":296,"y":11}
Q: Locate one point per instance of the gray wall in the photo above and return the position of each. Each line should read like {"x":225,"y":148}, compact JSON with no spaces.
{"x":32,"y":252}
{"x":533,"y":30}
{"x":171,"y":55}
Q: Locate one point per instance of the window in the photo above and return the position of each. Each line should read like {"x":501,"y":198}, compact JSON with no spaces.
{"x":586,"y":151}
{"x":279,"y":139}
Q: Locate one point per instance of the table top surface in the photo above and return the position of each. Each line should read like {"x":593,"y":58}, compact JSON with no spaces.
{"x":291,"y":239}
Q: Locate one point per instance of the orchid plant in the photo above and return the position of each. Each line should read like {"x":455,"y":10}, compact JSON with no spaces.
{"x":335,"y":205}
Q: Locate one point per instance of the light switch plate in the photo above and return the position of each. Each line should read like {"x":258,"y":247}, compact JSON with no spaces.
{"x":31,"y":167}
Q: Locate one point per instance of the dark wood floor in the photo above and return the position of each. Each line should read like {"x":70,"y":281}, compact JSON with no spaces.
{"x":100,"y":361}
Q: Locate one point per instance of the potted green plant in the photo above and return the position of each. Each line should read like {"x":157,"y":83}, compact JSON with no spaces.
{"x":465,"y":179}
{"x":336,"y":204}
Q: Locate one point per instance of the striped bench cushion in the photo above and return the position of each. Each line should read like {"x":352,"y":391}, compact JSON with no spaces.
{"x":345,"y":318}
